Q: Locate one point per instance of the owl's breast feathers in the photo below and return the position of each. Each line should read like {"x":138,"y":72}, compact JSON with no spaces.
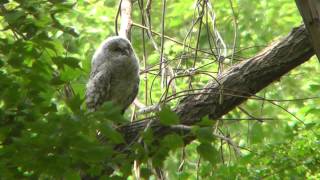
{"x":124,"y":82}
{"x":115,"y":81}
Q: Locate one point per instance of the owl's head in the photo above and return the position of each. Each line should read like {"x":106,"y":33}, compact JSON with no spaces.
{"x":117,"y":46}
{"x":114,"y":49}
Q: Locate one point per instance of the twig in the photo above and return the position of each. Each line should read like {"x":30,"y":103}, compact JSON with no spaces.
{"x":117,"y":17}
{"x":171,"y":39}
{"x":235,"y":24}
{"x":144,"y":57}
{"x":162,"y":63}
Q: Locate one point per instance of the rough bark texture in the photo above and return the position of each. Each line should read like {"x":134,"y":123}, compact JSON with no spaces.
{"x":310,"y":12}
{"x":239,"y":82}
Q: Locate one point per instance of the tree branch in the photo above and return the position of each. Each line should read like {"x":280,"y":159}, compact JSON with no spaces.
{"x":310,"y":12}
{"x":239,"y":83}
{"x":126,"y":21}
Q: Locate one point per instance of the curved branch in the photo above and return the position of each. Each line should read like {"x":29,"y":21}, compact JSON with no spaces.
{"x":242,"y":80}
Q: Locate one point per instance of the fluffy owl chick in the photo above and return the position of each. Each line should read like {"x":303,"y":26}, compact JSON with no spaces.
{"x":114,"y":75}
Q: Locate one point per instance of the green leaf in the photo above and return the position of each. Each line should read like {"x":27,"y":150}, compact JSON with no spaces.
{"x":146,"y":173}
{"x":72,"y":62}
{"x":75,"y":103}
{"x":69,"y":61}
{"x":1,"y":63}
{"x":111,"y":112}
{"x":57,"y":81}
{"x":13,"y":16}
{"x":4,"y":1}
{"x":159,"y":156}
{"x":314,"y":87}
{"x":314,"y":111}
{"x":310,"y":125}
{"x":112,"y":134}
{"x":205,"y":121}
{"x":148,"y":136}
{"x":257,"y":133}
{"x":168,"y":117}
{"x":203,"y":134}
{"x":172,"y":141}
{"x":73,"y":175}
{"x":208,"y":152}
{"x":53,"y":47}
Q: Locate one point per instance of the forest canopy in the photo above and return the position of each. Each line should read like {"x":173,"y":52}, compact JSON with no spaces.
{"x":204,"y":109}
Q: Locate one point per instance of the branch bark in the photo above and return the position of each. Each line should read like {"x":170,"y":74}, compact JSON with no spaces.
{"x":126,"y":21}
{"x":238,"y":83}
{"x":310,"y":12}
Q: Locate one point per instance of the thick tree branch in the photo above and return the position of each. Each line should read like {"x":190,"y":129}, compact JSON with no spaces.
{"x":310,"y":12}
{"x":239,"y":83}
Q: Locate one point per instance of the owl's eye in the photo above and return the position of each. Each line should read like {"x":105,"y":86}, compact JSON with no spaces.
{"x":117,"y":49}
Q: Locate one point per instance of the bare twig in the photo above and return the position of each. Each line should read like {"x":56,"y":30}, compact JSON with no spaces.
{"x":117,"y":18}
{"x":162,"y":62}
{"x":171,"y":39}
{"x":235,"y":26}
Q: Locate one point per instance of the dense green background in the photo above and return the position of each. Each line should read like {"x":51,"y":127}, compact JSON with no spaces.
{"x":46,"y":45}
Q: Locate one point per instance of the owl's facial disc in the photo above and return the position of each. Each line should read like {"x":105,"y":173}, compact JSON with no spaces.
{"x":121,"y":48}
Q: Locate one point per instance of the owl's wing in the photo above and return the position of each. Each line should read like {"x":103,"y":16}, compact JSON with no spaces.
{"x":131,"y":97}
{"x":98,"y":89}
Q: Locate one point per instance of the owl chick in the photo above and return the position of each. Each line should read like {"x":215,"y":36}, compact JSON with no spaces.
{"x":114,"y":75}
